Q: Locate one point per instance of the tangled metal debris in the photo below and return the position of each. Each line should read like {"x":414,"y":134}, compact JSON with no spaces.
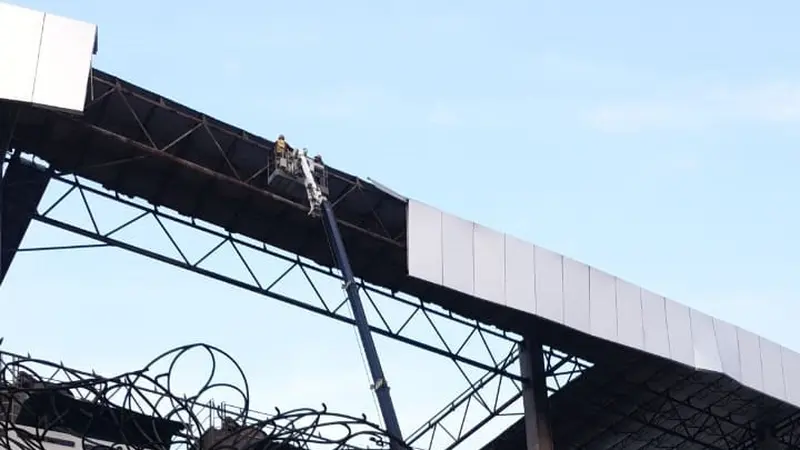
{"x":47,"y":406}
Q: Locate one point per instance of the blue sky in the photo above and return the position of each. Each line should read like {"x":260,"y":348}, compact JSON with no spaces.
{"x":654,"y":141}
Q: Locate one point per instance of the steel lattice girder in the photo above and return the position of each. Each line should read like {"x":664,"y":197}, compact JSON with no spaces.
{"x":484,"y":393}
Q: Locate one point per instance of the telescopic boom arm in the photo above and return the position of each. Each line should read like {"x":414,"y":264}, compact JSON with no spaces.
{"x":320,"y":205}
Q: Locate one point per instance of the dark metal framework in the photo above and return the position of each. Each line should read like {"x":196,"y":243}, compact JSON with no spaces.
{"x":76,"y":205}
{"x":140,"y":409}
{"x":133,"y":144}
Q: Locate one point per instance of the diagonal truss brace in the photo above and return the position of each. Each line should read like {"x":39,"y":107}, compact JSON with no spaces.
{"x":560,"y":368}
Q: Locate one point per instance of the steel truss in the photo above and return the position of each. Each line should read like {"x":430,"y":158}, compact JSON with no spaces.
{"x":494,"y":353}
{"x":652,"y":416}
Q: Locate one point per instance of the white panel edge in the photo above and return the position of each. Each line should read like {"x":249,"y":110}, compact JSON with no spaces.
{"x":21,"y":33}
{"x":65,"y":61}
{"x":424,"y":246}
{"x":676,"y":331}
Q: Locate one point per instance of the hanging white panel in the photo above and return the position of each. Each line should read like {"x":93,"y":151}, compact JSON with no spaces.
{"x":424,"y":242}
{"x":65,"y":61}
{"x":20,"y":37}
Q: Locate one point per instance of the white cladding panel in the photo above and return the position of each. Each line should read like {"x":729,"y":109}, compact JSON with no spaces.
{"x":791,"y":375}
{"x":679,"y":330}
{"x":424,"y":242}
{"x":602,"y":304}
{"x":728,"y":346}
{"x":654,"y":322}
{"x":549,"y":284}
{"x":490,"y":265}
{"x":20,"y":36}
{"x":750,"y":357}
{"x":576,"y":295}
{"x":499,"y":268}
{"x":458,"y":254}
{"x":520,"y":289}
{"x":46,"y":59}
{"x":772,"y":368}
{"x":65,"y":61}
{"x":629,"y":315}
{"x":706,"y":353}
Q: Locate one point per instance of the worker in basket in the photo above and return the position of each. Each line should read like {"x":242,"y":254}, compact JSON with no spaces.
{"x":281,"y":147}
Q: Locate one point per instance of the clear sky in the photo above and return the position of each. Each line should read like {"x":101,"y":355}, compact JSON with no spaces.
{"x":654,"y":140}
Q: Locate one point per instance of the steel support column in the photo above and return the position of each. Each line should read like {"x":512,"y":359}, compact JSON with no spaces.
{"x":538,"y":435}
{"x":21,"y":188}
{"x":6,"y":135}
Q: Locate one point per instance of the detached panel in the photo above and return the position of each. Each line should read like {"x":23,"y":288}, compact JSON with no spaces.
{"x":490,"y":262}
{"x":65,"y":61}
{"x":20,"y":37}
{"x":424,"y":242}
{"x":458,"y":254}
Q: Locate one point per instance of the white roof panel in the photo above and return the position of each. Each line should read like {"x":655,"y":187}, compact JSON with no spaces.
{"x":494,"y":267}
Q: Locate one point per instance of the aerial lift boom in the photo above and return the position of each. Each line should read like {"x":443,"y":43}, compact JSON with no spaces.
{"x":321,"y":206}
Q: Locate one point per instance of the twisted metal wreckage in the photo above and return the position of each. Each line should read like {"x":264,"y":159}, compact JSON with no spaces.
{"x":46,"y":405}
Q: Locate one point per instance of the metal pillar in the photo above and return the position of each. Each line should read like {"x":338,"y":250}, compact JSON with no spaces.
{"x":6,"y":137}
{"x":538,"y":434}
{"x":379,"y":384}
{"x":3,"y":269}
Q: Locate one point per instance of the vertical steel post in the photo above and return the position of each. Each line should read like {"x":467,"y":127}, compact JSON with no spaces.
{"x":379,"y":383}
{"x":538,"y":435}
{"x":5,"y":146}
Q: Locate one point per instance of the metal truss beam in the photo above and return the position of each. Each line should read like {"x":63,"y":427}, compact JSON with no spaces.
{"x":494,"y":397}
{"x":223,"y":140}
{"x":490,"y":396}
{"x":452,"y":350}
{"x":666,"y":421}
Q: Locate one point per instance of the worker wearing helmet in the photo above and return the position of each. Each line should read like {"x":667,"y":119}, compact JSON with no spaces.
{"x":280,"y":146}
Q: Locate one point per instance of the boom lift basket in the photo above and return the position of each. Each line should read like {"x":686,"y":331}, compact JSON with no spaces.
{"x":286,"y":173}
